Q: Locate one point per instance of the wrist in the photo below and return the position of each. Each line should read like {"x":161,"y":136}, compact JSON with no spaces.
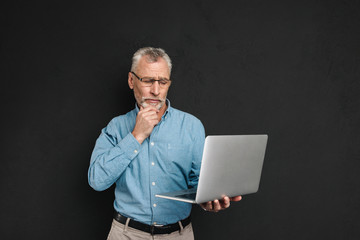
{"x":139,"y":137}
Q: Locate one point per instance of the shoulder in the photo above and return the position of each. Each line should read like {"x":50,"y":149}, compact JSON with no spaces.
{"x":124,"y":117}
{"x":184,"y":115}
{"x":122,"y":120}
{"x":187,"y":120}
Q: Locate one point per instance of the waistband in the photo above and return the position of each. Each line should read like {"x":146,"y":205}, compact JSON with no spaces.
{"x":152,"y":229}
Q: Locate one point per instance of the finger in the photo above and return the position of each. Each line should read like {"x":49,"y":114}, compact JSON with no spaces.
{"x":147,"y":109}
{"x":150,"y":114}
{"x":154,"y":122}
{"x":209,"y":206}
{"x":150,"y":108}
{"x":217,"y":206}
{"x":147,"y":113}
{"x":236,"y":199}
{"x":225,"y":203}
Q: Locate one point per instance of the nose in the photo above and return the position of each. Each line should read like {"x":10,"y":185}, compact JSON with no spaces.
{"x":155,"y":88}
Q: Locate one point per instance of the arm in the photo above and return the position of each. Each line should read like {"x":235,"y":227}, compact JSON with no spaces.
{"x":110,"y":158}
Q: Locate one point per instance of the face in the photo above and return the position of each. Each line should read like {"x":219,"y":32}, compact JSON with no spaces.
{"x":153,"y":95}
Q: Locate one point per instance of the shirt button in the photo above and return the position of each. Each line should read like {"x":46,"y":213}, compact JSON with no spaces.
{"x":135,"y":151}
{"x":154,"y":204}
{"x":153,"y":183}
{"x":152,"y":143}
{"x":153,"y":163}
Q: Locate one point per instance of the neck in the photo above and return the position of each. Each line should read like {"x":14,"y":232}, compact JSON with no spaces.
{"x":162,"y":111}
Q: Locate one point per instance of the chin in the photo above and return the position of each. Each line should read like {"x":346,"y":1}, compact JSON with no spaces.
{"x":157,"y":106}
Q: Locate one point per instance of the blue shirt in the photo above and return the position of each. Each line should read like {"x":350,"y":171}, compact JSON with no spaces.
{"x":168,"y":160}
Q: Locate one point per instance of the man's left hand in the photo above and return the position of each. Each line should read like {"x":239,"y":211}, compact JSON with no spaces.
{"x":217,"y":205}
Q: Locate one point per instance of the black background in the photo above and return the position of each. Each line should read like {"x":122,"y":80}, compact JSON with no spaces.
{"x":290,"y":69}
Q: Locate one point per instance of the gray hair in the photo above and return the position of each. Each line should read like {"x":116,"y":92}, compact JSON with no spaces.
{"x":152,"y":56}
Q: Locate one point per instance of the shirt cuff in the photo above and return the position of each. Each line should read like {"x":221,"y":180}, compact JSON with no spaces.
{"x":130,"y":146}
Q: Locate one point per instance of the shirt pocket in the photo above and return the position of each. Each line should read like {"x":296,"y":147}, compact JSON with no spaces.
{"x":179,"y":158}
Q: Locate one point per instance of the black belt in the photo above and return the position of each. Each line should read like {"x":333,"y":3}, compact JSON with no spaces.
{"x":153,"y":229}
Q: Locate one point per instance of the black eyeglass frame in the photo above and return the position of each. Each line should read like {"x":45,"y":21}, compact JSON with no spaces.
{"x":151,"y":80}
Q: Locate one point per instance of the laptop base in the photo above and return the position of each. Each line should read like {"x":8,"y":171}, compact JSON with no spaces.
{"x":188,"y":195}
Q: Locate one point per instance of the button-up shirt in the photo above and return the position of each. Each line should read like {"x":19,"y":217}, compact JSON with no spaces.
{"x":168,"y":160}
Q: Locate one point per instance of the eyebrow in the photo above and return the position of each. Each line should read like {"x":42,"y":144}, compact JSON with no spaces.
{"x":160,"y":78}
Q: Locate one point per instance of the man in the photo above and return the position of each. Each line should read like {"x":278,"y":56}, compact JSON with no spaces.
{"x":152,"y":149}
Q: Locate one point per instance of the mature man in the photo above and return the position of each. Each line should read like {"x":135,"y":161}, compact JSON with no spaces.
{"x":152,"y":149}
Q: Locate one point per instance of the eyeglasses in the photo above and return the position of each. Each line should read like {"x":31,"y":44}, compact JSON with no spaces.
{"x":148,"y":82}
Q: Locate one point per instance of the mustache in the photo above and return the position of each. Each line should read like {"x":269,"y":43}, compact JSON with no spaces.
{"x":143,"y":99}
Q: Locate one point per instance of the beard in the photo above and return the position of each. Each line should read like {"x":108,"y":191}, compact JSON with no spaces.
{"x":158,"y":105}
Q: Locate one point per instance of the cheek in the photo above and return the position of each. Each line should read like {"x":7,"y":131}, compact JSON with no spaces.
{"x":164,"y":94}
{"x":138,"y":93}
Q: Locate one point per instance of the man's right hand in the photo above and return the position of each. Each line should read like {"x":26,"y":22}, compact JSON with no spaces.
{"x":146,"y":120}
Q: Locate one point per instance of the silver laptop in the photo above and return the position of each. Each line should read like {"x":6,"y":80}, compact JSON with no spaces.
{"x":231,"y":165}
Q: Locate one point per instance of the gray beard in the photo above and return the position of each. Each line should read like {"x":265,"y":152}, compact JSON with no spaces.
{"x":158,"y":106}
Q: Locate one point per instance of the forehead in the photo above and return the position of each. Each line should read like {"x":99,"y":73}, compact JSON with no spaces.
{"x":147,"y":68}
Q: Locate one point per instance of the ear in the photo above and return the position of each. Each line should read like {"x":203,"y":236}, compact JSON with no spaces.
{"x":130,"y":81}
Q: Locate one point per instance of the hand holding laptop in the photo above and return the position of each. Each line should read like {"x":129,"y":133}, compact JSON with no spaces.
{"x":217,"y":205}
{"x":231,"y":166}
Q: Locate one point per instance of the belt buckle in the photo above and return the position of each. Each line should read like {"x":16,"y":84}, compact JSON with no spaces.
{"x":152,"y":228}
